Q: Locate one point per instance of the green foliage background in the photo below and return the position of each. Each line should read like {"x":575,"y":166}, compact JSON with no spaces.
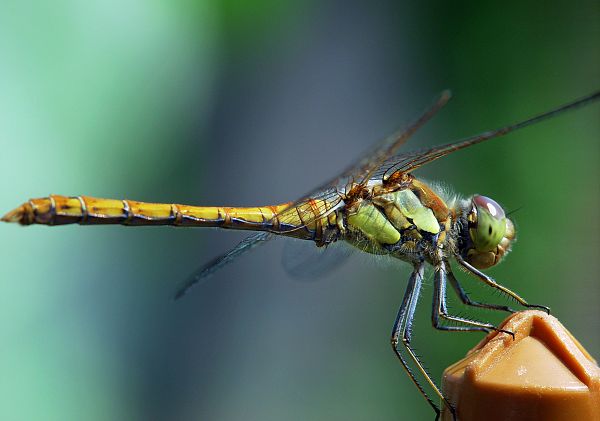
{"x":242,"y":103}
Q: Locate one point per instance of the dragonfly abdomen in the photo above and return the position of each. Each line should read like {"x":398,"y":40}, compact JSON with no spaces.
{"x":84,"y":210}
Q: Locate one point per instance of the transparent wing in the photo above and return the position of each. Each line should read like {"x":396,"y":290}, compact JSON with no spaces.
{"x":383,"y":160}
{"x":305,"y":262}
{"x":410,"y":161}
{"x":320,"y":202}
{"x":217,"y":263}
{"x":308,"y":209}
{"x":329,"y":196}
{"x":390,"y":145}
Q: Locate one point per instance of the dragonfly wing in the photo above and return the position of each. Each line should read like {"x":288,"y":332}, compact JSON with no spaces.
{"x":383,"y":160}
{"x":308,"y":209}
{"x":305,"y":262}
{"x":410,"y":161}
{"x":362,"y":169}
{"x":330,"y":195}
{"x":217,"y":263}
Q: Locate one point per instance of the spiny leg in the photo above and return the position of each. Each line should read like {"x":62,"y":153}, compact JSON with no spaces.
{"x":464,"y":297}
{"x":489,"y":281}
{"x":440,"y":310}
{"x":403,"y":324}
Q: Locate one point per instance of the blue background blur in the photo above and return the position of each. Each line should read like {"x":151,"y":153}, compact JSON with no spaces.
{"x":251,"y":103}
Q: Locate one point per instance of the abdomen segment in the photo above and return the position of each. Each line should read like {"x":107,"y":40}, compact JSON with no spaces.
{"x":83,"y":210}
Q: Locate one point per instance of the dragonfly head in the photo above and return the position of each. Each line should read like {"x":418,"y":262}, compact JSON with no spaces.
{"x":490,"y":233}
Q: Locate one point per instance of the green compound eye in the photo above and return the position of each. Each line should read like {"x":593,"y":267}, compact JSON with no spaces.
{"x":490,"y":226}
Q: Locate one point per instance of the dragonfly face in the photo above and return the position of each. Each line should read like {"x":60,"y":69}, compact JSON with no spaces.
{"x":377,"y":202}
{"x":488,"y":234}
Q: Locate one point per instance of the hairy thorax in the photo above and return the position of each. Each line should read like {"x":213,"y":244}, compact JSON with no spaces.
{"x":411,"y":223}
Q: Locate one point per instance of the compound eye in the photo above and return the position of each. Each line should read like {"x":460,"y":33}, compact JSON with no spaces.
{"x":492,"y":207}
{"x":490,"y":226}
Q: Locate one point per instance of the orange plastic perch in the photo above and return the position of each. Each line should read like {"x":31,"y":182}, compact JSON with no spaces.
{"x":544,"y":374}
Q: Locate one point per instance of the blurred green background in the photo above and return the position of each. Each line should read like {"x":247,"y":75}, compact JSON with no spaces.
{"x":251,"y":103}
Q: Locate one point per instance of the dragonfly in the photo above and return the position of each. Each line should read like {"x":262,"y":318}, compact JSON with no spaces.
{"x":376,"y":205}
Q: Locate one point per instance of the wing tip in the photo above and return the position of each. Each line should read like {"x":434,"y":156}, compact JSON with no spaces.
{"x":180,"y":293}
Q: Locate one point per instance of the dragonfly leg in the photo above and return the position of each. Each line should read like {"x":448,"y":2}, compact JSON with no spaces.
{"x":403,"y":329}
{"x":464,"y":297}
{"x":489,"y":281}
{"x":440,"y":310}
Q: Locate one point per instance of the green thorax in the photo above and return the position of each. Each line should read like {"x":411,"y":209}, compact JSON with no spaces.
{"x":384,"y":218}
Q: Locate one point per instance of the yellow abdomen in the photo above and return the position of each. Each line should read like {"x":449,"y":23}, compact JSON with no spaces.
{"x":60,"y":210}
{"x":302,"y":220}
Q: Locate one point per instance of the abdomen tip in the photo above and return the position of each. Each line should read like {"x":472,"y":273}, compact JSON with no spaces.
{"x":15,"y":215}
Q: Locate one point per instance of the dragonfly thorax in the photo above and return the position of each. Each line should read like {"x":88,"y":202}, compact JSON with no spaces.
{"x":486,"y":233}
{"x":411,"y":222}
